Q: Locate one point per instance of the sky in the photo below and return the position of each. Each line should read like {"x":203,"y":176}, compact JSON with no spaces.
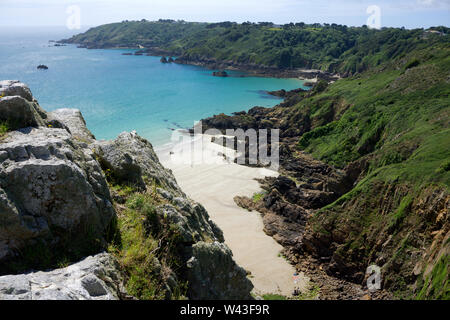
{"x":393,"y":13}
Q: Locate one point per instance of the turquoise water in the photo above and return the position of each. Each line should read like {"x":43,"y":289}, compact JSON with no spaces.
{"x":122,"y":93}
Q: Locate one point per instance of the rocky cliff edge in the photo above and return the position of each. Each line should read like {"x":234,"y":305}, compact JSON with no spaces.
{"x":62,"y":199}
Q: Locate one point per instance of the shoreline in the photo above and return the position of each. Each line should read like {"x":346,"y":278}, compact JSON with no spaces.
{"x":265,"y":72}
{"x":214,"y":182}
{"x":253,"y":70}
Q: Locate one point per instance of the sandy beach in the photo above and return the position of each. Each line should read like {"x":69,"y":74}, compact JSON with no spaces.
{"x":214,"y":182}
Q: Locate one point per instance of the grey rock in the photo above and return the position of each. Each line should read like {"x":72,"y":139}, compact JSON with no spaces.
{"x":163,"y":193}
{"x":17,"y":106}
{"x":51,"y":187}
{"x":131,"y":159}
{"x":213,"y":274}
{"x":95,"y":278}
{"x":20,"y":113}
{"x":15,"y":88}
{"x":193,"y":222}
{"x":73,"y":121}
{"x":209,"y":266}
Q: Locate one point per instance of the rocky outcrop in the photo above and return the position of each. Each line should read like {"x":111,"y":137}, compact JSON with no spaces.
{"x":73,"y":121}
{"x":164,"y":60}
{"x":213,"y":273}
{"x":131,"y":159}
{"x":15,"y":88}
{"x":95,"y":278}
{"x":305,"y":185}
{"x":208,"y":264}
{"x":52,"y":193}
{"x":17,"y":106}
{"x":255,"y":69}
{"x":286,"y":94}
{"x":222,"y":74}
{"x":421,"y":222}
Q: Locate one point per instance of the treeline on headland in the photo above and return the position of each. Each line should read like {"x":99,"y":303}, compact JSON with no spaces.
{"x":328,"y":47}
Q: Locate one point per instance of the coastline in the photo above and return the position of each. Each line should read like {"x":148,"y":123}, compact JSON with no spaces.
{"x":252,"y":248}
{"x":253,"y":70}
{"x":262,"y":71}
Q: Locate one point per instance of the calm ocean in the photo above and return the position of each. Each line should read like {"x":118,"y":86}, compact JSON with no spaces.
{"x":122,"y":93}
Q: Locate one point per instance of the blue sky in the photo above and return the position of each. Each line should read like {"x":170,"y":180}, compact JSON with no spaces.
{"x":396,"y":13}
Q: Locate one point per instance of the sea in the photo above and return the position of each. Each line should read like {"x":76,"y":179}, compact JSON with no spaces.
{"x":117,"y":92}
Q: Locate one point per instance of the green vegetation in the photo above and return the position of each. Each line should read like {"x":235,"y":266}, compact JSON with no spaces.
{"x":273,"y":296}
{"x":135,"y":33}
{"x":389,"y":118}
{"x":146,"y":246}
{"x":335,"y":48}
{"x":312,"y":293}
{"x":436,"y":285}
{"x":258,"y":196}
{"x":393,"y":119}
{"x":399,"y":117}
{"x":4,"y":128}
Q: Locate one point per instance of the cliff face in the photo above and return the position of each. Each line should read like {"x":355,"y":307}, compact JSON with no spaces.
{"x":65,"y":195}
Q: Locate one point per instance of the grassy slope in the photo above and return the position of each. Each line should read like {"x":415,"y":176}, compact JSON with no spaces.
{"x":396,"y":118}
{"x":145,"y":246}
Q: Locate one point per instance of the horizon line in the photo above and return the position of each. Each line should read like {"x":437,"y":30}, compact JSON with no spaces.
{"x":206,"y":22}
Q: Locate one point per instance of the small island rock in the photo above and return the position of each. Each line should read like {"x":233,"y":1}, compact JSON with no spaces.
{"x":220,"y":74}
